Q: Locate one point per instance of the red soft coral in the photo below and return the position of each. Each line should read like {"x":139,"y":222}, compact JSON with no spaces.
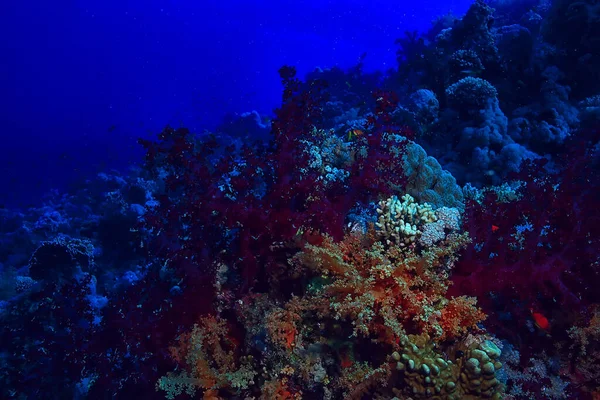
{"x":538,"y":251}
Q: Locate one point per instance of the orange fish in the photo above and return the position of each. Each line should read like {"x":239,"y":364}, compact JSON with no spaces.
{"x":495,"y":228}
{"x":352,"y":133}
{"x":540,"y":320}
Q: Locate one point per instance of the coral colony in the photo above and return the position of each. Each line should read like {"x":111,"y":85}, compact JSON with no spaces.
{"x":432,"y":233}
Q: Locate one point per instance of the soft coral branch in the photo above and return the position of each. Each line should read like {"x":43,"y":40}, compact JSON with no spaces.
{"x":540,"y":249}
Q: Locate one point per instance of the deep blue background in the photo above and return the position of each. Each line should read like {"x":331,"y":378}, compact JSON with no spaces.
{"x":80,"y":81}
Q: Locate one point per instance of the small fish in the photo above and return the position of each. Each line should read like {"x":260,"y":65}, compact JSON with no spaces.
{"x":112,"y":128}
{"x":495,"y":228}
{"x":348,"y":84}
{"x":354,"y":133}
{"x":471,"y":72}
{"x":540,"y":320}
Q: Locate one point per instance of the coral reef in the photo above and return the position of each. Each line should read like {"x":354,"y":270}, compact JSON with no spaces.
{"x":354,"y":297}
{"x":328,"y":251}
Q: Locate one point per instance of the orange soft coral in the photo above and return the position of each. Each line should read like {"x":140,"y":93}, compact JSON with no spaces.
{"x":281,"y":325}
{"x":386,"y":290}
{"x":459,"y":316}
{"x":210,"y":362}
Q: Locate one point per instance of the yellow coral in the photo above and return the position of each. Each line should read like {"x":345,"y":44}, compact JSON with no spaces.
{"x":427,"y":373}
{"x":400,"y":221}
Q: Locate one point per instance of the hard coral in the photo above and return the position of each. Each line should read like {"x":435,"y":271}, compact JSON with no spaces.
{"x":474,"y":32}
{"x":425,"y":106}
{"x":469,"y":95}
{"x":447,"y":220}
{"x":427,"y":182}
{"x":464,"y":63}
{"x":429,"y":374}
{"x":61,"y":258}
{"x":400,"y":221}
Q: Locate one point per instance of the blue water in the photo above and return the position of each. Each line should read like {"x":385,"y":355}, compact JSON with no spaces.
{"x":81,"y":81}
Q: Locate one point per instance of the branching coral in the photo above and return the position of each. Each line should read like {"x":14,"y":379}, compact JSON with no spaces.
{"x":447,"y":220}
{"x":407,"y":222}
{"x":387,"y":292}
{"x":400,"y":221}
{"x":207,"y":355}
{"x":329,"y":155}
{"x":281,"y":327}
